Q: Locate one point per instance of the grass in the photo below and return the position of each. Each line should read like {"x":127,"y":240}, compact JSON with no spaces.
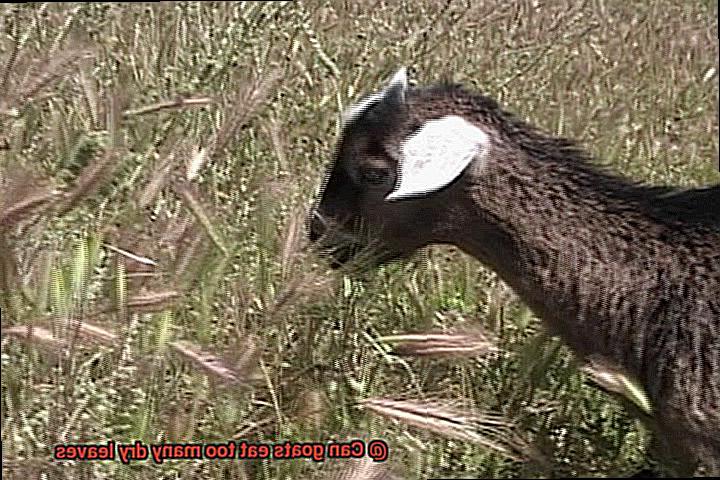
{"x":157,"y":163}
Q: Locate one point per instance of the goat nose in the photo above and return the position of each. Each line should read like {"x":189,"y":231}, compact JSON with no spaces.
{"x":317,"y":226}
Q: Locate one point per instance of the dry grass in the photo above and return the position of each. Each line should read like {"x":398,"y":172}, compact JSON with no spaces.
{"x":156,"y":165}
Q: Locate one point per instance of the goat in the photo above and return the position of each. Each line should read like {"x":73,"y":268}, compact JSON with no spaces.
{"x":621,"y":271}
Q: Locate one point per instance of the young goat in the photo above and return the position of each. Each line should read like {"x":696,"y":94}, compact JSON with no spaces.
{"x":621,"y":271}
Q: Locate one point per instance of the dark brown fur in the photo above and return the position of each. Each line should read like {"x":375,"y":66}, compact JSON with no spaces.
{"x":626,"y":272}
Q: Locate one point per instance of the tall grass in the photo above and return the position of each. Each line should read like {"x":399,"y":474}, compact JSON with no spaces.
{"x":156,"y":164}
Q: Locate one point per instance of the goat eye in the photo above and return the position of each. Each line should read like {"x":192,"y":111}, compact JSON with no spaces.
{"x":373,"y":176}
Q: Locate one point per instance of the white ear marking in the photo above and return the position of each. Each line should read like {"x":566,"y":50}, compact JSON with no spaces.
{"x":394,"y":91}
{"x":400,"y":77}
{"x":436,"y":155}
{"x":359,"y":108}
{"x":398,"y":84}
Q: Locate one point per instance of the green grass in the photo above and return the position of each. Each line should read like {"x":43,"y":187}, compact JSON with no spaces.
{"x":235,"y":330}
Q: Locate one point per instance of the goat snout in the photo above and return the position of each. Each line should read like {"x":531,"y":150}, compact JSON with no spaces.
{"x":316,"y":226}
{"x":337,"y":245}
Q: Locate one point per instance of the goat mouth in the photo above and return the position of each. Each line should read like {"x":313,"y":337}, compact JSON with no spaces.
{"x":349,"y":248}
{"x":339,"y":256}
{"x":359,"y":257}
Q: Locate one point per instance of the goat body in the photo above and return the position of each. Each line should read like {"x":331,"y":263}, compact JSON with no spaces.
{"x":621,"y":271}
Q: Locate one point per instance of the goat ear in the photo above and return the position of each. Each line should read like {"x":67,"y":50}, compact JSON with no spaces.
{"x":436,"y":155}
{"x":393,"y":94}
{"x":395,"y":91}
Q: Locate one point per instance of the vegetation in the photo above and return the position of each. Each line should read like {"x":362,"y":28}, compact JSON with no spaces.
{"x":157,"y":162}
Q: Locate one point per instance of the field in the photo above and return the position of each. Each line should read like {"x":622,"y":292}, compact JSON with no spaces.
{"x":157,"y":162}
